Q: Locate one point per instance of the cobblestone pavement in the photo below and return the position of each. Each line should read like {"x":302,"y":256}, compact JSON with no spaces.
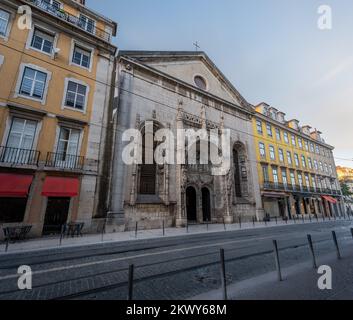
{"x":166,"y":268}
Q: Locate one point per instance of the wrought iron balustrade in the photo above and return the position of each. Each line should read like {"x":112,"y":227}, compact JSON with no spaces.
{"x":18,"y":156}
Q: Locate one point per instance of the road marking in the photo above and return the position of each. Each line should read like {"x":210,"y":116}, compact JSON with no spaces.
{"x":89,"y":264}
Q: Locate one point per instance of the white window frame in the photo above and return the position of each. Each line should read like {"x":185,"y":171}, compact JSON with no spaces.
{"x":5,"y":37}
{"x":75,"y":43}
{"x":272,"y":152}
{"x":19,"y":82}
{"x":72,"y":127}
{"x":64,"y":106}
{"x":261,"y":144}
{"x":94,"y":23}
{"x":45,"y":30}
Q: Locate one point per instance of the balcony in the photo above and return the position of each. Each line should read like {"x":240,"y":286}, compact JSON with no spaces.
{"x":20,"y":157}
{"x":65,"y":16}
{"x":64,"y":161}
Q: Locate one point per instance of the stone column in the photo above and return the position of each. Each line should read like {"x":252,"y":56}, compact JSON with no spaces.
{"x":181,"y":218}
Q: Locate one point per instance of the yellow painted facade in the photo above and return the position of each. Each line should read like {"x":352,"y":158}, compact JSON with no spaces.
{"x":52,"y":112}
{"x":285,"y":152}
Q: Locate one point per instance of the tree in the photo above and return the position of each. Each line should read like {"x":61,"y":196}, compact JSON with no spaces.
{"x":345,"y":190}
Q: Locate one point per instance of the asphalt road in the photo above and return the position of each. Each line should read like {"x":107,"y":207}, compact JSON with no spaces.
{"x":167,"y":268}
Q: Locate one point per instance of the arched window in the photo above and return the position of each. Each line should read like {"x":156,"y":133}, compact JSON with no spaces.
{"x":148,"y":171}
{"x":237,"y":178}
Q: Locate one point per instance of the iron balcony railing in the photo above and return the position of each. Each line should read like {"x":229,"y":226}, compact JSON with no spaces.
{"x":64,"y":15}
{"x":16,"y":156}
{"x":64,"y":161}
{"x":272,"y":186}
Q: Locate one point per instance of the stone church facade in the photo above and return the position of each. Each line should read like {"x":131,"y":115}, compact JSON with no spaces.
{"x":179,"y":90}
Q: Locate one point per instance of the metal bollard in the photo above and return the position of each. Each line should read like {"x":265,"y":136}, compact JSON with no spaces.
{"x":310,"y":218}
{"x":303,"y":218}
{"x":334,"y":235}
{"x":103,"y":229}
{"x":130,"y":282}
{"x":253,"y":222}
{"x":317,"y":218}
{"x":295,"y":220}
{"x":136,"y":227}
{"x":278,"y":264}
{"x":276,"y":220}
{"x":240,"y":222}
{"x":224,"y":225}
{"x":163,"y":229}
{"x":223,"y":275}
{"x":61,"y":235}
{"x":7,"y":244}
{"x":187,"y":226}
{"x":311,"y":246}
{"x":207,"y":224}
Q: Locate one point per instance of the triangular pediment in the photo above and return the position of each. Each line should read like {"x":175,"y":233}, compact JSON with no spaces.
{"x":185,"y":66}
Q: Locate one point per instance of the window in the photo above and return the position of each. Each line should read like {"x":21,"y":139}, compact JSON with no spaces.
{"x":33,"y":83}
{"x":321,"y":166}
{"x":87,"y":24}
{"x":200,"y":83}
{"x":76,"y":95}
{"x":21,"y":134}
{"x":303,"y":162}
{"x":284,"y":177}
{"x":306,"y":144}
{"x":281,"y":155}
{"x":289,"y":158}
{"x":269,"y":130}
{"x":42,"y":41}
{"x":275,"y":176}
{"x":278,"y":134}
{"x":292,"y":178}
{"x":307,"y":180}
{"x":296,"y":159}
{"x":265,"y":174}
{"x":310,"y":162}
{"x":53,"y":4}
{"x":317,"y":148}
{"x":300,"y":179}
{"x":294,"y":142}
{"x":326,"y":168}
{"x":272,"y":153}
{"x":81,"y":57}
{"x":300,"y":143}
{"x":313,"y":182}
{"x":68,"y":143}
{"x":4,"y":22}
{"x":316,"y":166}
{"x":331,"y":169}
{"x":312,"y":147}
{"x":262,"y":150}
{"x":259,"y":127}
{"x":286,"y":138}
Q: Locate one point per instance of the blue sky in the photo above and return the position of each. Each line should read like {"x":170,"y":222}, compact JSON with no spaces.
{"x":271,"y":50}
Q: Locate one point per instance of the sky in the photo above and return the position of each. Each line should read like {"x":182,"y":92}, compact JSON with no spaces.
{"x":271,"y":50}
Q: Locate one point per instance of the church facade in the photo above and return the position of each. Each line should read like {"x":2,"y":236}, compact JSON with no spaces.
{"x":179,"y":91}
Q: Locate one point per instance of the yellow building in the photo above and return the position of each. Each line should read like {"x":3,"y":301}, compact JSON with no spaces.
{"x":296,"y":167}
{"x":55,"y":84}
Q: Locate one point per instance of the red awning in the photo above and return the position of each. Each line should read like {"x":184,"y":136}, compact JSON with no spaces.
{"x":330,"y":199}
{"x":60,"y":187}
{"x":15,"y":185}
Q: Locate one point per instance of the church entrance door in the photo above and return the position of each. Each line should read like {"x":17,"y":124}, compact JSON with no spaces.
{"x":206,"y":205}
{"x":191,"y":206}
